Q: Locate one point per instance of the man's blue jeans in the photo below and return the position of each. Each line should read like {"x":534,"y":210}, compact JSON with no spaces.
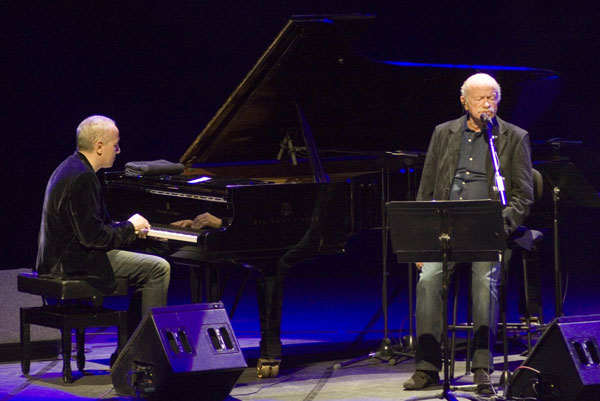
{"x":429,"y":313}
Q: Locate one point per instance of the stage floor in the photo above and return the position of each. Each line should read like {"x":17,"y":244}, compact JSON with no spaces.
{"x":307,"y":373}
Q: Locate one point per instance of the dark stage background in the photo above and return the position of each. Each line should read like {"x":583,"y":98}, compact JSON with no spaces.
{"x":162,"y":71}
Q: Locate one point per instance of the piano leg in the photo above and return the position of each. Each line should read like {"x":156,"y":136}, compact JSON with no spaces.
{"x":269,"y":289}
{"x":205,"y":281}
{"x":270,"y":299}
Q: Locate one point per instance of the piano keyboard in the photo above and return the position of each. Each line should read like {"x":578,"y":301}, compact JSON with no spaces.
{"x":173,"y":233}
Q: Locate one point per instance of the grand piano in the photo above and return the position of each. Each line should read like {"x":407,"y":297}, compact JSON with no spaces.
{"x":303,"y":154}
{"x":279,"y":158}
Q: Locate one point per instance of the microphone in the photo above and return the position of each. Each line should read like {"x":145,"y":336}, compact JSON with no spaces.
{"x":486,"y":119}
{"x":489,"y":122}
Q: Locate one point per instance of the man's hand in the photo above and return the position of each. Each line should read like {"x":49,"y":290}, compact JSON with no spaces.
{"x":140,"y":224}
{"x":419,"y":265}
{"x":200,"y":221}
{"x":207,"y":220}
{"x":183,"y":223}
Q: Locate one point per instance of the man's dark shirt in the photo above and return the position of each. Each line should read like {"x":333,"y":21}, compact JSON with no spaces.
{"x":470,"y":180}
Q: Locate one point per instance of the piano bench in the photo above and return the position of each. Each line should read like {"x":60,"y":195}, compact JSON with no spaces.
{"x":79,"y":306}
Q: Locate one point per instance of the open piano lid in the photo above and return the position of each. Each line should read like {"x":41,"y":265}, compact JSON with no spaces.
{"x":350,"y":102}
{"x":261,"y":110}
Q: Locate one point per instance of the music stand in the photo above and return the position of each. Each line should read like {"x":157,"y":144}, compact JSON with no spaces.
{"x":386,"y":349}
{"x":571,"y":188}
{"x":446,"y":231}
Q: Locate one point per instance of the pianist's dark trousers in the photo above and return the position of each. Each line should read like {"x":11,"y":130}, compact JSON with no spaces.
{"x":149,"y":275}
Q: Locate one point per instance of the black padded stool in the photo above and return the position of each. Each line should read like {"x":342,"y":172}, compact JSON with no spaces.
{"x":79,"y":307}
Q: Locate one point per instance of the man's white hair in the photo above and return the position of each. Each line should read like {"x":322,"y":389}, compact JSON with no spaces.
{"x":480,"y":78}
{"x":91,"y":130}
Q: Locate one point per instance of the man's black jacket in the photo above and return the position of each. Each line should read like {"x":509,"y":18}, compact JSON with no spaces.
{"x":514,"y":153}
{"x":76,"y":230}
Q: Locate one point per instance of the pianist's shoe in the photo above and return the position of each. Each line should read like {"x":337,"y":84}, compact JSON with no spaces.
{"x":267,"y":367}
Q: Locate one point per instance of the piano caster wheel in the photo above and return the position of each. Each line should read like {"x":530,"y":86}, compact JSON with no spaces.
{"x":267,"y":367}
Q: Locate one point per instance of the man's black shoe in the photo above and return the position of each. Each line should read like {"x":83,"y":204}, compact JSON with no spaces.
{"x":422,"y":379}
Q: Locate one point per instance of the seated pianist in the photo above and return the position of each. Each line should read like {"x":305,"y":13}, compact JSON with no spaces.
{"x":77,"y":236}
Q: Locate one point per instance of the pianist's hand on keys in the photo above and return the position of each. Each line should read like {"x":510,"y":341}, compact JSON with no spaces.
{"x":200,"y":221}
{"x":140,"y":224}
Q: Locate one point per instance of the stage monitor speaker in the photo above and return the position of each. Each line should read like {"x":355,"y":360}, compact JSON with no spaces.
{"x":180,"y":352}
{"x":567,"y":357}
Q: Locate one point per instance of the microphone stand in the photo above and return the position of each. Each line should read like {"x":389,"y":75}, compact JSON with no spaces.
{"x":498,"y":179}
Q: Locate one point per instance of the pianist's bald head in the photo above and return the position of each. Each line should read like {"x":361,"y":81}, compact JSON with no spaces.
{"x":91,"y":130}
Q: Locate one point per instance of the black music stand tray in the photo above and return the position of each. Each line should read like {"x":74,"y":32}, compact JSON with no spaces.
{"x":446,"y":231}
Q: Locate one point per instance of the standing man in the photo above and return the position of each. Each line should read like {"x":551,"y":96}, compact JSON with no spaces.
{"x":458,"y":166}
{"x":77,"y":236}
